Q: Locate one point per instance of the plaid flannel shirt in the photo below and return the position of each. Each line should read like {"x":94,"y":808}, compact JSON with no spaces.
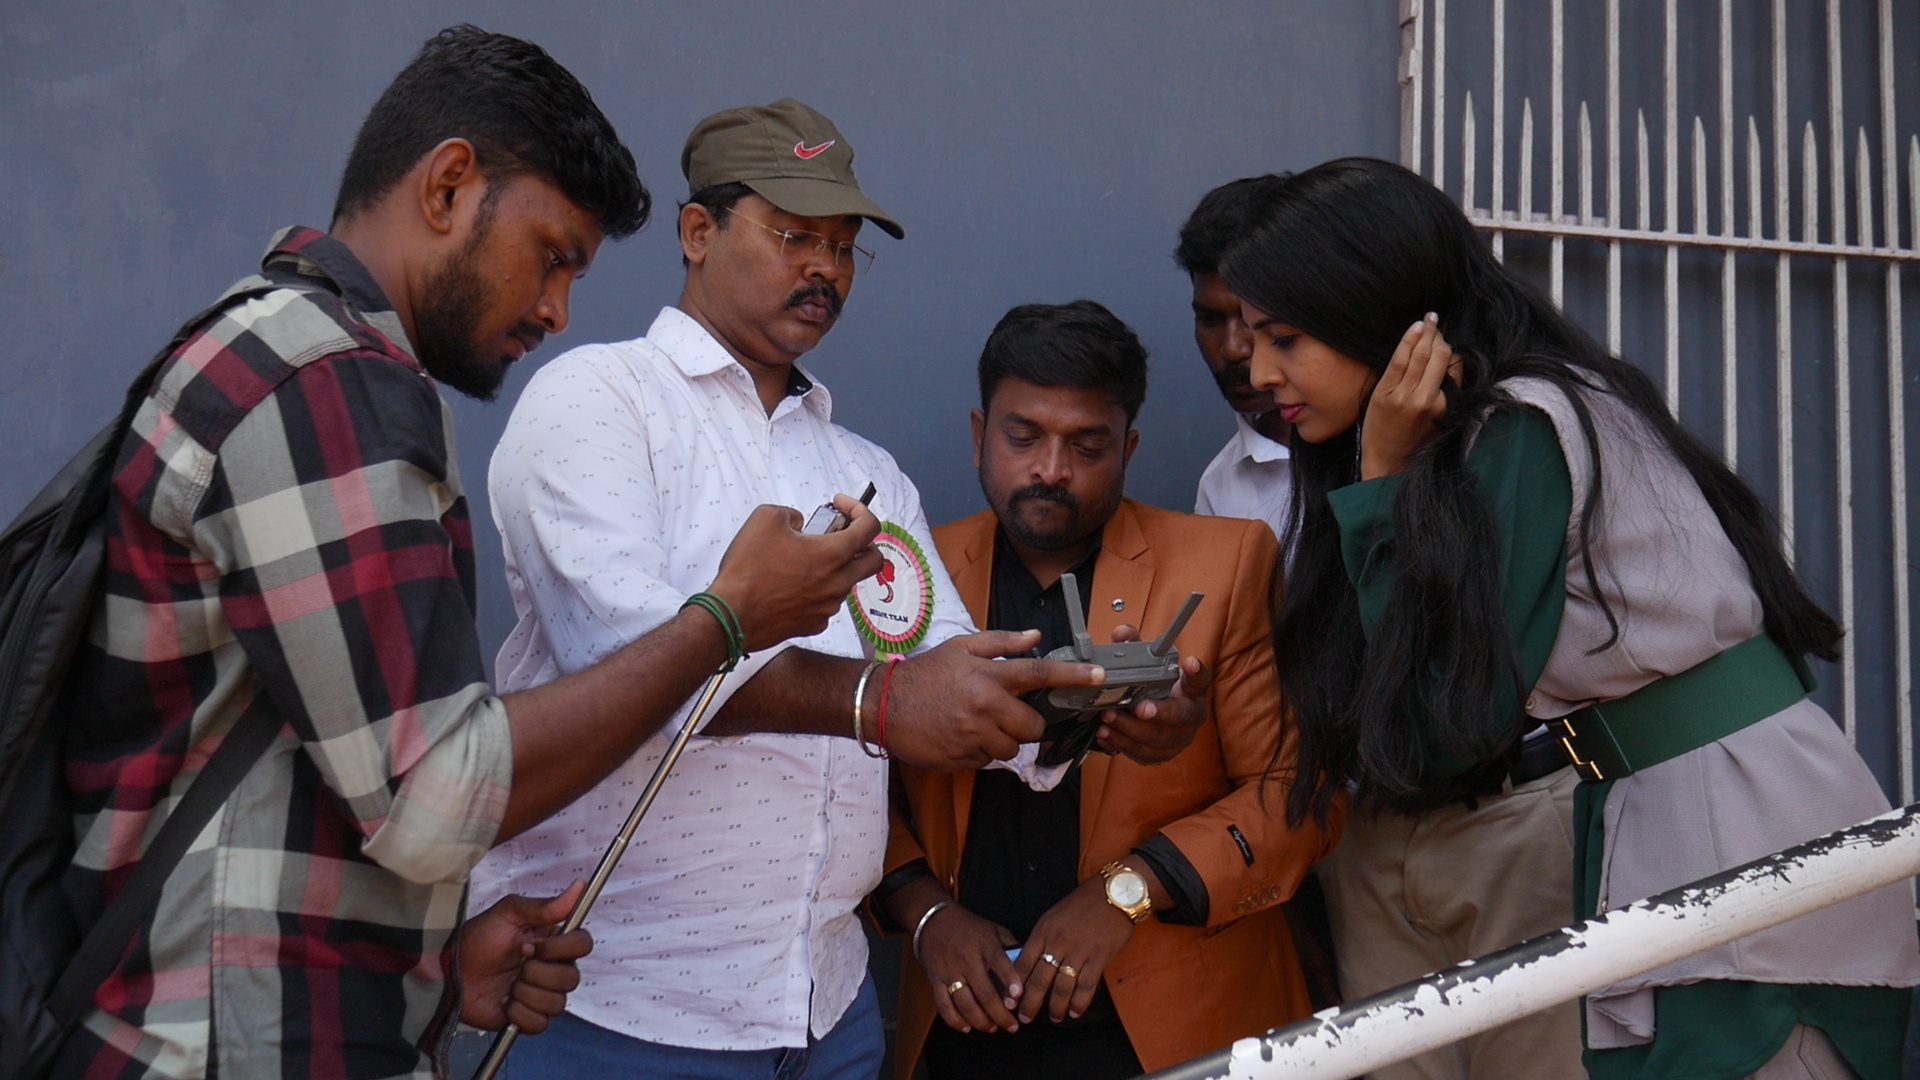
{"x":287,"y":532}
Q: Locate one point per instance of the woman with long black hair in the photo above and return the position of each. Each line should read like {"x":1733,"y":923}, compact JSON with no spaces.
{"x":1498,"y":527}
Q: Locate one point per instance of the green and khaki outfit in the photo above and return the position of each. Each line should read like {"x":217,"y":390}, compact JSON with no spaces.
{"x":1704,"y":750}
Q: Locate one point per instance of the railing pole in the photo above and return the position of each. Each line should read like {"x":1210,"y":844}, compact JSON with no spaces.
{"x":1729,"y":304}
{"x":1842,"y":372}
{"x":1896,"y":414}
{"x":1782,"y":283}
{"x":1489,"y":991}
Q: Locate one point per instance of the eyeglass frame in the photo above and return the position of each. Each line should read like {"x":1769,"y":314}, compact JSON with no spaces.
{"x":788,"y":235}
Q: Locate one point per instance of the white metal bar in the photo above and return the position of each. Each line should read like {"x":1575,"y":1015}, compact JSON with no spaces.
{"x":1643,"y":219}
{"x":1729,"y":322}
{"x":1614,"y":200}
{"x":1782,"y":284}
{"x":1524,"y":211}
{"x":1670,"y":193}
{"x":1583,"y":146}
{"x":1440,"y":94}
{"x":1755,"y":231}
{"x":1895,"y":256}
{"x":1897,"y":413}
{"x":1499,"y":177}
{"x":1543,"y":227}
{"x":1842,"y":373}
{"x":1488,"y":991}
{"x":1700,"y":224}
{"x":1412,"y":73}
{"x":1469,"y":153}
{"x":1556,"y":187}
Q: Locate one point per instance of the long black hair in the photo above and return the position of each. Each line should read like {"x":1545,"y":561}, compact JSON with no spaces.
{"x":1352,"y":252}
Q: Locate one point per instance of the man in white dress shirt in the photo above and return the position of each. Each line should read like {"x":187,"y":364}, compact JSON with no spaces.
{"x":1251,"y":476}
{"x":728,"y":943}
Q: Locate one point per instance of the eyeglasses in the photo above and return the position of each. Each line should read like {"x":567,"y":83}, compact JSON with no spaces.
{"x":799,"y":245}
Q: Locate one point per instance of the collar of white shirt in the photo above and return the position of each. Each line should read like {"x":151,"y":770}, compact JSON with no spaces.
{"x":1255,"y":445}
{"x":697,"y":353}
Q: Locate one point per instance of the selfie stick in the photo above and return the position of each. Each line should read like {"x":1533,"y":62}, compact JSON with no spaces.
{"x":497,"y":1053}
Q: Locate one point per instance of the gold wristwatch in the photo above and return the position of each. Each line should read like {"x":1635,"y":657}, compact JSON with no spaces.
{"x":1127,"y":890}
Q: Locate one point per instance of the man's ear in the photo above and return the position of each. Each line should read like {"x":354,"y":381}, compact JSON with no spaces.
{"x":979,"y":420}
{"x":1133,"y":443}
{"x":449,"y":177}
{"x":698,"y":227}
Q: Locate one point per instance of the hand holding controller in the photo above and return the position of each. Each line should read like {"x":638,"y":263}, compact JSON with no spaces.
{"x":1136,"y":671}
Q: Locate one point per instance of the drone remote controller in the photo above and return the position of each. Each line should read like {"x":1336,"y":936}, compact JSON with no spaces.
{"x":1136,"y":671}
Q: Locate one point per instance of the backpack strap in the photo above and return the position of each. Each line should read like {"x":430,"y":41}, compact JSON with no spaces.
{"x":107,"y":942}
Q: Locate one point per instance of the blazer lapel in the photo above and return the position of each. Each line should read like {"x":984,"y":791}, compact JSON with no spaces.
{"x":1123,"y":572}
{"x":973,"y":580}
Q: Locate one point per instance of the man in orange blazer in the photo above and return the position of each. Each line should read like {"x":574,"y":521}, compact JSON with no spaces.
{"x":1128,"y":918}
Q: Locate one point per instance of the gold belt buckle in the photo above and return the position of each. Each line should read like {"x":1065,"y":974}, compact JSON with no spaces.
{"x":1587,"y":769}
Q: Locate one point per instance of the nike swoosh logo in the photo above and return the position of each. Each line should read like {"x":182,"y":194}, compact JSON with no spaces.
{"x":802,"y":150}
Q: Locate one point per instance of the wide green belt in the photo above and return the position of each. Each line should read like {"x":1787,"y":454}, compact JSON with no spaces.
{"x":1711,"y":700}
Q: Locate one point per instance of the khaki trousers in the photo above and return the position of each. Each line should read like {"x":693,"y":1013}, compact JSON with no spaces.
{"x":1408,"y":896}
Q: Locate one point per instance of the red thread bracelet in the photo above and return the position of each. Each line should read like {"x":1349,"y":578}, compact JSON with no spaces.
{"x":880,"y":720}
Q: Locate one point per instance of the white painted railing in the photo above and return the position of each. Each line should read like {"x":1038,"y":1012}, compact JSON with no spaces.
{"x":1492,"y":990}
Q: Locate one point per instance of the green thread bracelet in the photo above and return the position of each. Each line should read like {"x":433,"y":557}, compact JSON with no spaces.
{"x":722,"y":613}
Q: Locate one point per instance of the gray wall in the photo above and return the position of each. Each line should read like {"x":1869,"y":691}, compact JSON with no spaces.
{"x":1033,"y":152}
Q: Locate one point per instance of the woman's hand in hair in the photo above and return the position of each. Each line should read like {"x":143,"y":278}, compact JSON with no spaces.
{"x":1407,"y":400}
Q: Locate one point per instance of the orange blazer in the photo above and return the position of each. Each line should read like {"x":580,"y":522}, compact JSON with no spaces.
{"x":1181,"y":990}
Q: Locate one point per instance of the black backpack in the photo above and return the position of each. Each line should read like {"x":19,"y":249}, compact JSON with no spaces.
{"x":51,"y":561}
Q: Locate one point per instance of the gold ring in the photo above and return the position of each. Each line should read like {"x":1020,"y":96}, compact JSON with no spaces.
{"x":956,"y":986}
{"x":1049,"y":958}
{"x":1068,"y":971}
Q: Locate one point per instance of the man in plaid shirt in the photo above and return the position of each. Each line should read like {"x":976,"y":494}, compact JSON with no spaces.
{"x":288,"y":534}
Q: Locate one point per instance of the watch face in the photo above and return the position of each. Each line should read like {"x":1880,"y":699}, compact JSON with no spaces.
{"x":1127,"y":888}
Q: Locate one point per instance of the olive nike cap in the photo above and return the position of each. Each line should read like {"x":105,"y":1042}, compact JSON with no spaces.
{"x":789,"y":154}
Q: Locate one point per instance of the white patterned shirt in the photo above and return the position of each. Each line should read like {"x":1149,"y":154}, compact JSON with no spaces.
{"x":1251,"y":477}
{"x":624,"y":473}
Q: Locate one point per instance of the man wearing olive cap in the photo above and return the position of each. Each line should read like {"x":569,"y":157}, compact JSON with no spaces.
{"x":728,"y":940}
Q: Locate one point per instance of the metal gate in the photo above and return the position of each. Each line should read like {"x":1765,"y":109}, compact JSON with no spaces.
{"x":1731,"y":243}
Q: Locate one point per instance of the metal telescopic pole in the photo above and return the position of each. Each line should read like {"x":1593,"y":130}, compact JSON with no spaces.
{"x":497,"y":1053}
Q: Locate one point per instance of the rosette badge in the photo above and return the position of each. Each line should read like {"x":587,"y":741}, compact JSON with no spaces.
{"x":893,"y":607}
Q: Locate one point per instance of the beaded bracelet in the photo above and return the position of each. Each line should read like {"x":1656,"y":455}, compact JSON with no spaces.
{"x":723,"y":613}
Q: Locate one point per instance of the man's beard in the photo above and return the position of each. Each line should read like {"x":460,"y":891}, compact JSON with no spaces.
{"x":1067,"y":534}
{"x":446,"y":323}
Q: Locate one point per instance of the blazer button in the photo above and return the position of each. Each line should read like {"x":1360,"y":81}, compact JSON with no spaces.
{"x":1119,"y":604}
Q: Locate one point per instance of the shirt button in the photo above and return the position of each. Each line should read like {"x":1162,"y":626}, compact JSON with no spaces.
{"x":1033,"y":864}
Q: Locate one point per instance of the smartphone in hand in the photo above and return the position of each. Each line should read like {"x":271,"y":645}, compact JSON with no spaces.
{"x":827,"y":519}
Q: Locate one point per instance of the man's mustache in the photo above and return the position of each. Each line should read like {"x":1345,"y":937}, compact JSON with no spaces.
{"x":1234,"y":379}
{"x":530,"y":333}
{"x":1046,"y":491}
{"x":820,"y":291}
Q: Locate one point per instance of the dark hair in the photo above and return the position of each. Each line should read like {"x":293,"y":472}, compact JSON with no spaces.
{"x":719,"y":200}
{"x":524,"y":114}
{"x":1224,"y":215}
{"x":1352,"y":252}
{"x":1081,"y":344}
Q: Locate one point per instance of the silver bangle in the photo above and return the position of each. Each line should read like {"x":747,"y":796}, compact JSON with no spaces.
{"x":859,"y":699}
{"x":922,"y":925}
